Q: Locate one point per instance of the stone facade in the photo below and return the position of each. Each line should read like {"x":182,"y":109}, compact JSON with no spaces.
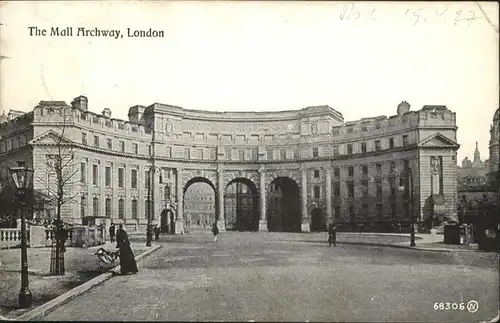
{"x":347,"y":171}
{"x":494,"y":147}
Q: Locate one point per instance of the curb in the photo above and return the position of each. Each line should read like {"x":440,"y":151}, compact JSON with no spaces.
{"x":408,"y":247}
{"x":51,"y":305}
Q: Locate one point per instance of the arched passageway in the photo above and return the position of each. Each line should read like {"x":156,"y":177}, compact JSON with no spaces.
{"x":283,"y":208}
{"x":241,"y":205}
{"x":200,"y":207}
{"x":318,"y":223}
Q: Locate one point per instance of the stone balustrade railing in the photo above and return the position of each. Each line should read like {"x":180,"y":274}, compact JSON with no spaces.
{"x":41,"y":236}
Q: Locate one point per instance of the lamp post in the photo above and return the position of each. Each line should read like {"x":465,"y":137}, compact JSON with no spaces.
{"x":23,"y":178}
{"x":406,"y":186}
{"x":151,"y":180}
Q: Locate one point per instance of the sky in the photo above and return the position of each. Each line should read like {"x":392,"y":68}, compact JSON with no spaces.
{"x":362,"y":59}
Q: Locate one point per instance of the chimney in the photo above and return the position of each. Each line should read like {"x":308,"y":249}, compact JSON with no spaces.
{"x":403,"y":107}
{"x":80,"y":103}
{"x":106,"y":112}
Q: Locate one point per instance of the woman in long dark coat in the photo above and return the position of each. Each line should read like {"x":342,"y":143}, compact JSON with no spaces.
{"x":127,"y":259}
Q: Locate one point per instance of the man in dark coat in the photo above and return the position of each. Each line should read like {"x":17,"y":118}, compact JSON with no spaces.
{"x":332,"y":235}
{"x":215,"y":231}
{"x":127,"y":259}
{"x":157,"y":233}
{"x":112,"y":232}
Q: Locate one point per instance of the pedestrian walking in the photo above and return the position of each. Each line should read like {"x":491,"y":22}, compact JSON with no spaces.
{"x":215,"y":231}
{"x":157,"y":233}
{"x":332,"y":235}
{"x":112,"y":232}
{"x":127,"y":260}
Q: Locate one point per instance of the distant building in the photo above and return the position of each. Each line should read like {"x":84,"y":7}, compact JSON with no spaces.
{"x":472,"y":174}
{"x":199,"y":205}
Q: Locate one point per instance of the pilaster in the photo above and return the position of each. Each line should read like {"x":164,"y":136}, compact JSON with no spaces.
{"x":328,"y":191}
{"x":305,"y":221}
{"x":221,"y":221}
{"x":179,"y":223}
{"x":263,"y":199}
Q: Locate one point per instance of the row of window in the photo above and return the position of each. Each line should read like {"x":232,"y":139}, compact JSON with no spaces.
{"x":13,"y":143}
{"x":109,"y":144}
{"x":108,"y":208}
{"x":244,"y":153}
{"x":364,"y":169}
{"x":121,"y":176}
{"x":350,"y":188}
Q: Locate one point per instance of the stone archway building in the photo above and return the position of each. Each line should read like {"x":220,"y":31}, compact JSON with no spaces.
{"x":349,"y":169}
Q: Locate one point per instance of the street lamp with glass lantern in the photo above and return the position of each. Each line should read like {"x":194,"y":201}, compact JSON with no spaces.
{"x":23,"y":179}
{"x":406,"y":186}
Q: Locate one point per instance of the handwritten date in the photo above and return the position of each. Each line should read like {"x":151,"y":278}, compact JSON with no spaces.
{"x":445,"y":14}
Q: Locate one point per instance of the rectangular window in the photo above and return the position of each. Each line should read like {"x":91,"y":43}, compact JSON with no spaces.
{"x":363,"y":147}
{"x":335,"y":150}
{"x":122,"y":146}
{"x":108,"y":176}
{"x":146,"y":179}
{"x":84,"y":139}
{"x":283,"y":153}
{"x":350,"y":189}
{"x":133,"y":178}
{"x":336,"y":172}
{"x":134,"y":209}
{"x":336,"y":189}
{"x":83,"y":174}
{"x":108,"y":207}
{"x":95,"y":174}
{"x":365,"y":169}
{"x":379,"y":188}
{"x":337,"y":211}
{"x":150,"y":150}
{"x":349,"y":149}
{"x":350,"y":170}
{"x":379,"y":169}
{"x":121,"y":209}
{"x":405,"y":140}
{"x":393,"y":167}
{"x":120,"y":177}
{"x":241,"y":154}
{"x":95,"y":207}
{"x":377,"y":145}
{"x":315,"y":152}
{"x":212,"y":153}
{"x":96,"y":141}
{"x":317,"y":192}
{"x":109,"y":144}
{"x":379,"y":210}
{"x":168,"y":152}
{"x":199,"y":153}
{"x":391,"y":143}
{"x":135,"y":148}
{"x":316,"y":173}
{"x":270,"y":155}
{"x":187,"y":153}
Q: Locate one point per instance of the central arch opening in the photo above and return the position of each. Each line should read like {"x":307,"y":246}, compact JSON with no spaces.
{"x":241,"y":205}
{"x":199,"y":203}
{"x":283,"y":211}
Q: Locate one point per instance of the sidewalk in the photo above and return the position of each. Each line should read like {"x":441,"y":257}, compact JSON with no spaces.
{"x":81,"y":265}
{"x":423,"y":241}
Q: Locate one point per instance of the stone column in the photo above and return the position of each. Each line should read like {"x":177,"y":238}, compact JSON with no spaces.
{"x":263,"y":197}
{"x":221,"y":221}
{"x":305,"y":221}
{"x":179,"y":223}
{"x":328,"y":192}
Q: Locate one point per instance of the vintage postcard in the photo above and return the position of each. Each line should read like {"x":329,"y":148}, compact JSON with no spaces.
{"x":249,"y":161}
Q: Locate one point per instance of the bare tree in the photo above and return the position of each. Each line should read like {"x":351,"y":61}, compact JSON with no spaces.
{"x":60,"y":164}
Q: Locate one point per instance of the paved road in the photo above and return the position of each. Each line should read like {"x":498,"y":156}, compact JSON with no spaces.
{"x":292,"y":277}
